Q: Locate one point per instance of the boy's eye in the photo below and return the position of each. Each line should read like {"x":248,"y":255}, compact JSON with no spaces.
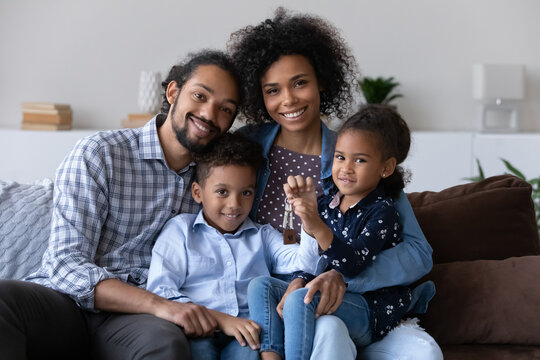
{"x":221,"y":192}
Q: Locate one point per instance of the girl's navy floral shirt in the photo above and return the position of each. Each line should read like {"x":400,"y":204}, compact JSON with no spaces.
{"x":364,"y":230}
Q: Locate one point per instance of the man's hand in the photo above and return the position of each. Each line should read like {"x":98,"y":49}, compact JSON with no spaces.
{"x":244,"y":330}
{"x":196,"y":320}
{"x":332,"y":288}
{"x":297,"y":283}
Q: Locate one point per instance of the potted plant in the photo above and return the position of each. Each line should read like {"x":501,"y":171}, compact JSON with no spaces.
{"x":379,"y":90}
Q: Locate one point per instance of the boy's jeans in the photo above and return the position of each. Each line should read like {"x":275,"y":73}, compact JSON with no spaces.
{"x":264,"y":293}
{"x":220,"y":346}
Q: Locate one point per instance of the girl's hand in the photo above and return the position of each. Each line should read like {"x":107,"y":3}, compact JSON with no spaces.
{"x":297,"y":283}
{"x":244,"y":330}
{"x":301,"y":195}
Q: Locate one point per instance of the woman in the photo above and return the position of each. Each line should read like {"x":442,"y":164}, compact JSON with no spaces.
{"x":295,"y":69}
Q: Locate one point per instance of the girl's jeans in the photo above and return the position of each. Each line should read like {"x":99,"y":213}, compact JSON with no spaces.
{"x":292,"y":337}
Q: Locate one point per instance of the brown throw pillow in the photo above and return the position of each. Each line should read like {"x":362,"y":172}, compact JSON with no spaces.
{"x":491,"y":219}
{"x":486,"y":301}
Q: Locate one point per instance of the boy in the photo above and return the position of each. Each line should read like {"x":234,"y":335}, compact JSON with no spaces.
{"x":209,"y":258}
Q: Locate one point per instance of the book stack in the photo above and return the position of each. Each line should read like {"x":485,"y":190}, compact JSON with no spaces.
{"x":137,"y":120}
{"x":46,"y":116}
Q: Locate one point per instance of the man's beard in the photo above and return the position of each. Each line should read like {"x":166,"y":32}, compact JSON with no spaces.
{"x":182,"y":136}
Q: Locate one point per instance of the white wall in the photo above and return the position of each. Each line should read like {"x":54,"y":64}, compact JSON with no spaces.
{"x":89,"y":53}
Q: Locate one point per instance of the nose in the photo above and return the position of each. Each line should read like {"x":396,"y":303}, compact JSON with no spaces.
{"x":347,"y":166}
{"x":208,"y":112}
{"x":234,"y":201}
{"x":288,"y":97}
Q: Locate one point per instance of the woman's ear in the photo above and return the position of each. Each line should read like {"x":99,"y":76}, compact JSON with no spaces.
{"x":172,"y":92}
{"x":389,"y":167}
{"x":196,"y":191}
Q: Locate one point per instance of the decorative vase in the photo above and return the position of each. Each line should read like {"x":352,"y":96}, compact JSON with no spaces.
{"x":149,"y":92}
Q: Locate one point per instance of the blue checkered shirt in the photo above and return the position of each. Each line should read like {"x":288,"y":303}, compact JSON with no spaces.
{"x":113,"y":194}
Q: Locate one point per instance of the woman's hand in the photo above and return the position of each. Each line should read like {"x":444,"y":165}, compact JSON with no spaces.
{"x":297,"y":283}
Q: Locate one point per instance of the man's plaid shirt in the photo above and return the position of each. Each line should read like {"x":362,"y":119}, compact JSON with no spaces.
{"x":113,"y":194}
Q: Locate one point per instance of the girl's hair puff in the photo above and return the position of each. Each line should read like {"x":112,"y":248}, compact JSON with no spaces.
{"x":392,"y":135}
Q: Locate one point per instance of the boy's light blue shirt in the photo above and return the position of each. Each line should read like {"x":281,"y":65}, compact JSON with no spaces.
{"x":194,"y":262}
{"x":400,"y":265}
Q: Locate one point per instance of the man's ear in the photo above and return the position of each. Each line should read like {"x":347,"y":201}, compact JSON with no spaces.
{"x":196,"y":190}
{"x":389,"y":167}
{"x":172,"y":92}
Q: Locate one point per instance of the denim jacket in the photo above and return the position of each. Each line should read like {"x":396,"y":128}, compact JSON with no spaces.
{"x":401,"y":265}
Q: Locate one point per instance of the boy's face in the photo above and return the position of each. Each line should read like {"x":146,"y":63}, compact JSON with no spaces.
{"x":226,"y":196}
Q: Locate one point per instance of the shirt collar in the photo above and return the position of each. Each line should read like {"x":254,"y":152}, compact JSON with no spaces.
{"x":378,"y":193}
{"x":149,"y":145}
{"x":248,"y":224}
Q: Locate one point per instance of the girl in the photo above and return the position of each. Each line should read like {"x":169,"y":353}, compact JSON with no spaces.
{"x":295,"y":69}
{"x":358,"y":220}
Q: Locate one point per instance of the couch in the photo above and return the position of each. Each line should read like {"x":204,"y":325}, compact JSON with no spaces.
{"x":486,"y":261}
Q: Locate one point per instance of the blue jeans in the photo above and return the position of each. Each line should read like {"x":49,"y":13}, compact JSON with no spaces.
{"x":220,"y":346}
{"x":292,"y":337}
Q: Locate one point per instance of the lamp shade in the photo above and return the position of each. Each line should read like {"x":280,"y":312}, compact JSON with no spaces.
{"x":498,"y":81}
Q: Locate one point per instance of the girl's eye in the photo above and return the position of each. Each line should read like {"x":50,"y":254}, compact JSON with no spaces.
{"x":339,"y":157}
{"x":247,"y":193}
{"x":360,"y":160}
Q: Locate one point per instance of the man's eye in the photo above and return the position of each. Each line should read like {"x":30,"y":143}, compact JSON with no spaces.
{"x":227,"y":110}
{"x":199,"y":96}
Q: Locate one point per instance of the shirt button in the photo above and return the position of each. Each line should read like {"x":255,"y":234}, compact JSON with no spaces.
{"x":173,"y":211}
{"x":228,"y":263}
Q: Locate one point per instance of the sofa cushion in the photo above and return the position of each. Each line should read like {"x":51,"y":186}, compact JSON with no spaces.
{"x":25,"y":225}
{"x":486,"y":301}
{"x":491,"y":219}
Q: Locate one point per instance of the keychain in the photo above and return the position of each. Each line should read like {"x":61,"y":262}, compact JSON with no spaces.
{"x":289,"y":236}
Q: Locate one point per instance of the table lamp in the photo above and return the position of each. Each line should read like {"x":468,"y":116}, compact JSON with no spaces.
{"x":498,"y":86}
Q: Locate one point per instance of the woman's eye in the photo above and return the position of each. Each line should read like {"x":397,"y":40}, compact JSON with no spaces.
{"x":271,"y":91}
{"x":300,"y":83}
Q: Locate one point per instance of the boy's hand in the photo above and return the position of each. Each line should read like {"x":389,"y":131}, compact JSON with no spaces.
{"x":196,"y":320}
{"x":297,"y":283}
{"x":244,"y":330}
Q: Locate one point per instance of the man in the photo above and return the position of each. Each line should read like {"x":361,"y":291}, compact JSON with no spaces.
{"x":113,"y":193}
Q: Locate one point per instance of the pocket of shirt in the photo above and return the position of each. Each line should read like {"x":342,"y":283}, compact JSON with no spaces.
{"x":200,"y":262}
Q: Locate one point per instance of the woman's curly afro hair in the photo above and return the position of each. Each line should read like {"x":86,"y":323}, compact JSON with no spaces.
{"x":255,"y":48}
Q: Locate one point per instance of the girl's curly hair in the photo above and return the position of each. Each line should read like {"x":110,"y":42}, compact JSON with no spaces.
{"x":255,"y":48}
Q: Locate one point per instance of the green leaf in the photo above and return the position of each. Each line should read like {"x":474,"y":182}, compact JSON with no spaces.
{"x":513,"y":170}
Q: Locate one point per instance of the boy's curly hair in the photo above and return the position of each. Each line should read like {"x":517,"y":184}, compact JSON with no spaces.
{"x":228,"y":149}
{"x":255,"y":48}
